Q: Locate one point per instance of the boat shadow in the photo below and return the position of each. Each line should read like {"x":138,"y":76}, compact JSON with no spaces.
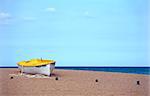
{"x":55,"y":75}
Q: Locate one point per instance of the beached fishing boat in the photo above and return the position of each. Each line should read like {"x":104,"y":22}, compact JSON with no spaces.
{"x":37,"y":66}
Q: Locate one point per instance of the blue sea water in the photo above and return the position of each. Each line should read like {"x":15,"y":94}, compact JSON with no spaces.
{"x":130,"y":70}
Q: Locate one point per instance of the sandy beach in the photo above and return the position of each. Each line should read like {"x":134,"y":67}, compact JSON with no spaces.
{"x":74,"y":83}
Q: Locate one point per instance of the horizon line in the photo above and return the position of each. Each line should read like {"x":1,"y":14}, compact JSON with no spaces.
{"x":85,"y":66}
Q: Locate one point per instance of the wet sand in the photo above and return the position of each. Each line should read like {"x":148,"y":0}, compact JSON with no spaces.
{"x":74,"y":83}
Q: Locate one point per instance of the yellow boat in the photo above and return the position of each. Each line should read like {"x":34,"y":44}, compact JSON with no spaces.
{"x":37,"y":66}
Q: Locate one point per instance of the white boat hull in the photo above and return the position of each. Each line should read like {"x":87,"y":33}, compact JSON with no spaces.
{"x":45,"y":70}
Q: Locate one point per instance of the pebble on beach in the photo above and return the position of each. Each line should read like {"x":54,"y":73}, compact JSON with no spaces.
{"x":138,"y":82}
{"x":96,"y":80}
{"x":56,"y":78}
{"x":11,"y":77}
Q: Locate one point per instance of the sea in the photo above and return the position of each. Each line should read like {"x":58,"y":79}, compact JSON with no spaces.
{"x":129,"y":70}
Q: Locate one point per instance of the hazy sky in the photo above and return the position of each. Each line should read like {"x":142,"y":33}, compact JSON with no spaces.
{"x":75,"y":32}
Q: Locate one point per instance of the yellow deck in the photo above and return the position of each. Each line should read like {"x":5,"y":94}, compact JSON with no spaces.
{"x":35,"y":62}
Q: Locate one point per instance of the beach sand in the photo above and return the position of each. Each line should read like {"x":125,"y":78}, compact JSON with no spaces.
{"x":74,"y":83}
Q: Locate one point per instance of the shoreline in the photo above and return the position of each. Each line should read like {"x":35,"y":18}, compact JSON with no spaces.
{"x":128,"y":70}
{"x":105,"y":72}
{"x":74,"y":83}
